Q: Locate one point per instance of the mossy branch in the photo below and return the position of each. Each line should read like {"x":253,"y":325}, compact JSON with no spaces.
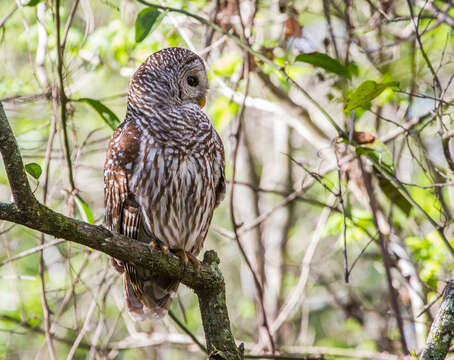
{"x":206,"y":281}
{"x":442,"y":329}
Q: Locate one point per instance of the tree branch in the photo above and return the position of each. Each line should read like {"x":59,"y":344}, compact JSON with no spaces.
{"x":442,"y":329}
{"x":206,"y":281}
{"x":22,"y":194}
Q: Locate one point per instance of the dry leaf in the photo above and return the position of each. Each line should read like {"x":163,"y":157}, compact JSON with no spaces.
{"x":363,"y":138}
{"x":292,"y":27}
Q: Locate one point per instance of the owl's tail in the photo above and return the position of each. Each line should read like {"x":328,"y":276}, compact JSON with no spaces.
{"x":149,"y":298}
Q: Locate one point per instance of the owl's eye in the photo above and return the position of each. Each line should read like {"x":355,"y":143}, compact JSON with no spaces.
{"x":192,"y":81}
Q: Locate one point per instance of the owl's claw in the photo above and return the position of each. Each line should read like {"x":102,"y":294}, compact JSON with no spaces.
{"x":165,"y":250}
{"x":152,"y":245}
{"x":183,"y":257}
{"x":194,"y":262}
{"x":187,"y":257}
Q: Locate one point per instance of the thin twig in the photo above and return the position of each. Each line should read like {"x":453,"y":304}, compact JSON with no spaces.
{"x":385,"y":256}
{"x":68,"y":25}
{"x":421,"y":47}
{"x":237,"y":135}
{"x":188,"y":332}
{"x":86,"y":324}
{"x":62,"y":96}
{"x":30,"y":252}
{"x":26,"y":325}
{"x":297,"y":296}
{"x":7,"y":16}
{"x":344,"y":220}
{"x":425,"y":96}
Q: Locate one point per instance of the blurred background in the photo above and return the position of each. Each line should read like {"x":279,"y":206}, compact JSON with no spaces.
{"x":300,"y":199}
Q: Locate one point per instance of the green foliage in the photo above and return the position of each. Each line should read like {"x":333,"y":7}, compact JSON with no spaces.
{"x":100,"y":56}
{"x":394,"y":195}
{"x":227,"y":65}
{"x":222,"y":112}
{"x":429,"y":252}
{"x":147,"y":21}
{"x":34,"y":170}
{"x":33,"y":2}
{"x":426,"y":199}
{"x":325,"y":62}
{"x":104,"y":112}
{"x":366,"y":92}
{"x":247,"y":308}
{"x":84,"y":209}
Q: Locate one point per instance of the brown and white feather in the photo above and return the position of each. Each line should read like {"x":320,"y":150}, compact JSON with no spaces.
{"x":164,"y":171}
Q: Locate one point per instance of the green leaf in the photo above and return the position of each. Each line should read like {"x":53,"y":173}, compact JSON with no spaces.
{"x":380,"y":156}
{"x":393,"y":194}
{"x":84,"y":210}
{"x":33,"y":2}
{"x":325,"y":62}
{"x":106,"y":114}
{"x":147,"y":21}
{"x":366,"y":92}
{"x":34,"y":170}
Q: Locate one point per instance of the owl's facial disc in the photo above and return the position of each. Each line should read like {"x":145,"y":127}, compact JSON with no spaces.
{"x":193,"y":82}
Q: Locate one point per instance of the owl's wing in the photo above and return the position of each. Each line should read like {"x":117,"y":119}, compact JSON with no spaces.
{"x":219,"y":169}
{"x":122,"y":213}
{"x":145,"y":296}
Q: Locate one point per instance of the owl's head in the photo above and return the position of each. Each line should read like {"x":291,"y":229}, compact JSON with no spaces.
{"x":172,"y":76}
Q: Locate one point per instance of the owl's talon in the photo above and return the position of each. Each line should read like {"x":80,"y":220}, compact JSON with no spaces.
{"x":165,"y":250}
{"x":195,"y":262}
{"x":151,"y":246}
{"x":183,"y":257}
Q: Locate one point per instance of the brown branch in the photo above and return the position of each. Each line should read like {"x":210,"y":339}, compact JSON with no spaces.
{"x":62,"y":96}
{"x":385,"y":256}
{"x":206,"y":280}
{"x":68,"y":25}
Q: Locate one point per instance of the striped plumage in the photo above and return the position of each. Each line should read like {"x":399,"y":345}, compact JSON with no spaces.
{"x":164,"y":172}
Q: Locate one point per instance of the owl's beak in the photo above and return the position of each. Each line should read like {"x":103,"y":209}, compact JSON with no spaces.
{"x":202,"y":102}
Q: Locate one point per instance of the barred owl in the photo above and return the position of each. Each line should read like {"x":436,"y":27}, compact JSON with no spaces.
{"x":164,"y":172}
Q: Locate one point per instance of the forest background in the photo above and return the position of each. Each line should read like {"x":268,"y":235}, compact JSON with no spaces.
{"x":336,"y":234}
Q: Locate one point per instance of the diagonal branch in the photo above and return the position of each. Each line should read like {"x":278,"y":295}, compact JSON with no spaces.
{"x":206,"y":280}
{"x":385,"y":255}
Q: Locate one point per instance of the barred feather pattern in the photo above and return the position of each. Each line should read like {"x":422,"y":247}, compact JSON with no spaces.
{"x":164,"y":171}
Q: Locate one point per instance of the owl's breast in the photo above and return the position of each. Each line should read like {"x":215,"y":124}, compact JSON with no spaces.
{"x":177,"y":195}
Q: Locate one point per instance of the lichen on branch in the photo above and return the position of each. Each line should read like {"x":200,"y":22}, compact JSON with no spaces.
{"x":442,"y":329}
